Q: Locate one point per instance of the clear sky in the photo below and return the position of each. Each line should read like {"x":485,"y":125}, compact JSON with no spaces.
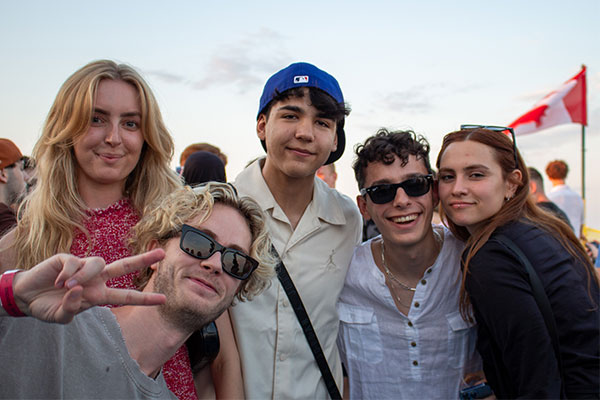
{"x":428,"y":66}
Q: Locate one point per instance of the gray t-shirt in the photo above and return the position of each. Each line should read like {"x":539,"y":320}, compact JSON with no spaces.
{"x":85,"y":359}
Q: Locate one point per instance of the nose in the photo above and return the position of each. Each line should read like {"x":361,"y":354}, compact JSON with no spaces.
{"x":401,"y":199}
{"x":113,"y":136}
{"x":305,"y":130}
{"x":459,"y":188}
{"x":213,"y":263}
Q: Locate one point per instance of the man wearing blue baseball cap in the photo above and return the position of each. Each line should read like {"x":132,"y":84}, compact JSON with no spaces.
{"x":314,"y":229}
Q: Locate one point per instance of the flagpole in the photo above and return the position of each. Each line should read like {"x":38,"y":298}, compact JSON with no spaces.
{"x":583,"y":149}
{"x":583,"y":163}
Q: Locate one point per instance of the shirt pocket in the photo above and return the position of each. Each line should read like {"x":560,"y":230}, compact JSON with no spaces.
{"x":462,"y":336}
{"x":361,"y":333}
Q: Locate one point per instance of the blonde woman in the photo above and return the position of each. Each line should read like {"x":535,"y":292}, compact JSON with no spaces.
{"x":102,"y":162}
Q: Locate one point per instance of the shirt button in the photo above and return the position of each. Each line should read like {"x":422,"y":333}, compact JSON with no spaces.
{"x":415,"y":363}
{"x":423,"y":281}
{"x":413,"y":344}
{"x":285,"y":303}
{"x":410,"y":323}
{"x":417,"y":304}
{"x":429,"y":271}
{"x":282,"y":357}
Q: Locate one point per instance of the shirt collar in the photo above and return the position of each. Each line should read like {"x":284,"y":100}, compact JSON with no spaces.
{"x":325,"y":204}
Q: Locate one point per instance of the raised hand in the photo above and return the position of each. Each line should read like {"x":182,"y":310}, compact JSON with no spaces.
{"x":62,"y":286}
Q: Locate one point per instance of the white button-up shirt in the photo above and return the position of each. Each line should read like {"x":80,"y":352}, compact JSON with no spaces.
{"x":571,"y":203}
{"x":276,"y":359}
{"x":422,"y":355}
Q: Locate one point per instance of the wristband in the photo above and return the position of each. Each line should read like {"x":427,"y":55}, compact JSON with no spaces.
{"x":7,"y":297}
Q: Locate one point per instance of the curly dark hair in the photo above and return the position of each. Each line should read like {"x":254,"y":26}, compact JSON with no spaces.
{"x":384,"y":145}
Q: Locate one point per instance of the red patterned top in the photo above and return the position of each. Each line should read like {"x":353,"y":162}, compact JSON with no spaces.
{"x":109,"y":231}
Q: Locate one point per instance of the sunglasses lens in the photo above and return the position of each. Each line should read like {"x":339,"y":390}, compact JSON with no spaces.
{"x":197,"y":245}
{"x":382,"y":194}
{"x":236,"y":264}
{"x":416,"y":186}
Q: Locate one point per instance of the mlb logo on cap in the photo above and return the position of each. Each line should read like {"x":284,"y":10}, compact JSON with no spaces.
{"x":301,"y":79}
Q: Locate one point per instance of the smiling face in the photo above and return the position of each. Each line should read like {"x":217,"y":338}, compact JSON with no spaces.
{"x":471,"y":185}
{"x":298,"y":137}
{"x":405,"y":221}
{"x":110,"y":149}
{"x":198,"y":291}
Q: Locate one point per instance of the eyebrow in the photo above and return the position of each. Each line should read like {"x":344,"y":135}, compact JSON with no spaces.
{"x":213,"y":236}
{"x":467,"y":168}
{"x":127,"y":114}
{"x":291,"y":108}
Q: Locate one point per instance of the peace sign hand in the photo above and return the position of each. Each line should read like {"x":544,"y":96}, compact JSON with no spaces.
{"x":62,"y":286}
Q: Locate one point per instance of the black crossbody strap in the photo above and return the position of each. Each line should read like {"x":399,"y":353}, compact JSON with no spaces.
{"x":540,"y":297}
{"x":309,"y":332}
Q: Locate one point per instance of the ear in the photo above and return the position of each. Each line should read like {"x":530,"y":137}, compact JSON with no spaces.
{"x":532,"y":186}
{"x":3,"y":176}
{"x":362,"y":206}
{"x":261,"y":124}
{"x":151,"y":246}
{"x":335,"y":140}
{"x":512,"y":183}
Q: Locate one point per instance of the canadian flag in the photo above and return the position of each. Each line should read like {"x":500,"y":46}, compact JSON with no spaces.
{"x":565,"y":105}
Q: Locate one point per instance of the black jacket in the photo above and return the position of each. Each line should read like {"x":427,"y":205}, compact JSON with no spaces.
{"x":518,"y":358}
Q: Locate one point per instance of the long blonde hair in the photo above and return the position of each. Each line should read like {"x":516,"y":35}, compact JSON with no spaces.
{"x":52,"y":212}
{"x":186,"y":204}
{"x":520,"y":206}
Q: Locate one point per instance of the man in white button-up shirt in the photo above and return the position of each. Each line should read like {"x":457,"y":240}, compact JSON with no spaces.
{"x":563,"y":196}
{"x":401,"y":334}
{"x":313,"y":227}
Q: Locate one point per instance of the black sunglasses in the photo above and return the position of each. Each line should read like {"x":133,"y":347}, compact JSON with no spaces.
{"x":413,"y":187}
{"x":502,"y":129}
{"x":200,"y":245}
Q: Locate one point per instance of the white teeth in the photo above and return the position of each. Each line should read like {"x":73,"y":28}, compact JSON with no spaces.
{"x":406,"y":218}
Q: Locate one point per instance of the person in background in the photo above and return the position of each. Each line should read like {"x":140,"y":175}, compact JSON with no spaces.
{"x":484,"y":192}
{"x":536,"y":190}
{"x":203,"y":166}
{"x":314,"y":228}
{"x":565,"y":197}
{"x":327,"y":174}
{"x":13,"y":183}
{"x":401,"y":326}
{"x":120,"y":351}
{"x":102,"y":163}
{"x":192,"y":148}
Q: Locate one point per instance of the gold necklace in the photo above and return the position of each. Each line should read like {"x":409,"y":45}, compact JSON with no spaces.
{"x":390,"y":275}
{"x":438,"y":239}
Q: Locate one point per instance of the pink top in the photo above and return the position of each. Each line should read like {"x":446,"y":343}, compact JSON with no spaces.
{"x":109,"y":230}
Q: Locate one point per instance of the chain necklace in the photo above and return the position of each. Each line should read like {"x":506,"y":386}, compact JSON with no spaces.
{"x":438,"y":239}
{"x":389,"y":273}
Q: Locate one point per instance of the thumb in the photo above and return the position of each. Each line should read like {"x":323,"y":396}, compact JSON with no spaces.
{"x":71,"y":305}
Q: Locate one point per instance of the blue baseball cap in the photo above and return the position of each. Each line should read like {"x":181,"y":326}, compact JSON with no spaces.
{"x":305,"y":75}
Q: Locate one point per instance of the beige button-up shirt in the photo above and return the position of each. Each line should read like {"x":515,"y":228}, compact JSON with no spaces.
{"x":276,"y":359}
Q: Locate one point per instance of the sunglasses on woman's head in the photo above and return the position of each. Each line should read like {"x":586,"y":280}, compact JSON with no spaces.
{"x":494,"y":128}
{"x":413,"y":187}
{"x":202,"y":246}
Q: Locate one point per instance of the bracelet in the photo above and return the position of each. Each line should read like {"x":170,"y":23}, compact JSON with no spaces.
{"x":7,"y":297}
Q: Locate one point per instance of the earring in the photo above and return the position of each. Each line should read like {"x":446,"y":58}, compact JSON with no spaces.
{"x":507,"y":198}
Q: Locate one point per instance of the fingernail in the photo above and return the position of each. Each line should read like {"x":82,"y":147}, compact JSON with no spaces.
{"x":59,"y":284}
{"x":71,"y":283}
